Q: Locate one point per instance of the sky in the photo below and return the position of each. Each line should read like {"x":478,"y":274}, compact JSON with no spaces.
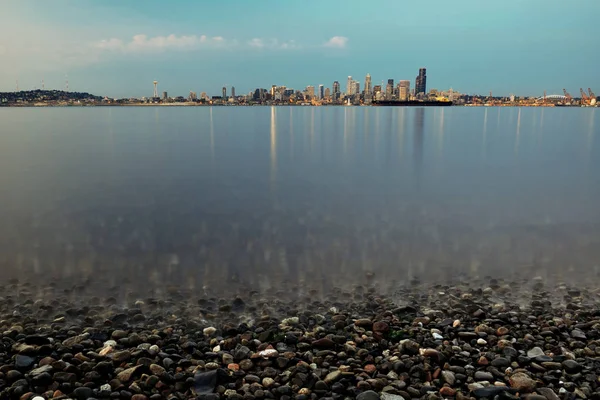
{"x":118,"y":48}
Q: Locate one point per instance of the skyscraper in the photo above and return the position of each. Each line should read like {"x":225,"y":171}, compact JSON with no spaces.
{"x":335,"y":91}
{"x":389,"y":89}
{"x":349,"y":86}
{"x":310,"y":91}
{"x":233,"y":92}
{"x":356,"y":89}
{"x":368,"y":85}
{"x":421,"y":82}
{"x":321,"y":92}
{"x":403,"y":90}
{"x":224,"y":92}
{"x":327,"y":93}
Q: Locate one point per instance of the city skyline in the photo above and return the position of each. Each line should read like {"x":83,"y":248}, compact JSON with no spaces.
{"x":115,"y":49}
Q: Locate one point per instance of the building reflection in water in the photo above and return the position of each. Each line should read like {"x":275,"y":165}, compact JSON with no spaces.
{"x":484,"y":136}
{"x":518,"y":134}
{"x":273,"y":149}
{"x":418,"y":139}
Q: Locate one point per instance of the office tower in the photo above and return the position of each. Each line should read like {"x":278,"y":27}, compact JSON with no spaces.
{"x":233,"y":92}
{"x":327,"y":94}
{"x":310,"y":91}
{"x":336,"y":91}
{"x":349,"y":86}
{"x":224,"y":92}
{"x":165,"y":97}
{"x":404,"y":90}
{"x":321,"y":92}
{"x":389,"y":89}
{"x":368,"y":85}
{"x":356,"y":89}
{"x":421,"y":82}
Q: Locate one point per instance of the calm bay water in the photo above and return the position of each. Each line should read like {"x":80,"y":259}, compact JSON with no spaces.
{"x":262,"y":195}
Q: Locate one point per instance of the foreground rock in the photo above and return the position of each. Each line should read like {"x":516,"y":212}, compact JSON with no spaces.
{"x":486,"y":339}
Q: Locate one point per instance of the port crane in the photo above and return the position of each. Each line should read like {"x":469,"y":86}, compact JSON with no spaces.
{"x":584,"y":96}
{"x":592,"y":95}
{"x":567,"y":95}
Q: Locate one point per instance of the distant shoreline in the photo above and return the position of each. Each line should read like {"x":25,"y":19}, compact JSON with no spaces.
{"x":272,"y":105}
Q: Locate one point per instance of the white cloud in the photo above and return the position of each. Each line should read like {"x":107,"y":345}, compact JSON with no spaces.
{"x":143,"y":43}
{"x":272,"y":44}
{"x":339,"y":42}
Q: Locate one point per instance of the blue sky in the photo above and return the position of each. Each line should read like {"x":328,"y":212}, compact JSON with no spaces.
{"x":117,"y":48}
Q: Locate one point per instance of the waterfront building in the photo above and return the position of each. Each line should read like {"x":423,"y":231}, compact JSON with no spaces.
{"x":368,"y":85}
{"x":404,"y":90}
{"x":421,"y":82}
{"x":321,"y":92}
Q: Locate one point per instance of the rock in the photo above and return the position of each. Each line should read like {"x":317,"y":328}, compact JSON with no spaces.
{"x":522,"y":382}
{"x":323,"y":343}
{"x":333,"y":376}
{"x":381,"y":327}
{"x":83,"y":393}
{"x":153,"y":350}
{"x":23,"y":362}
{"x":368,"y":395}
{"x":210,"y":331}
{"x":126,"y":375}
{"x":121,"y":356}
{"x":205,"y":382}
{"x":40,"y":370}
{"x":535,"y":352}
{"x":364,"y":323}
{"x":548,"y":393}
{"x":447,"y":391}
{"x":157,"y":369}
{"x":571,"y":366}
{"x":500,"y":362}
{"x":409,"y":347}
{"x":268,"y":382}
{"x":491,"y":391}
{"x":483,"y":376}
{"x":448,"y":377}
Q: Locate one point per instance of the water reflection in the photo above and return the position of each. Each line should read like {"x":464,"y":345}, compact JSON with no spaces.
{"x":159,"y":210}
{"x":273,"y":149}
{"x":418,"y":140}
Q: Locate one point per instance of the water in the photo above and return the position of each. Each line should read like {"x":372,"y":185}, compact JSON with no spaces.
{"x":319,"y":196}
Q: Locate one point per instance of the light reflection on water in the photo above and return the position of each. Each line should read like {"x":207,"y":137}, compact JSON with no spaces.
{"x":268,"y":194}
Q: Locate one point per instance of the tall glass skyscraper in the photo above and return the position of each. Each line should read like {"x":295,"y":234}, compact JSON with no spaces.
{"x":368,"y":85}
{"x":421,"y":82}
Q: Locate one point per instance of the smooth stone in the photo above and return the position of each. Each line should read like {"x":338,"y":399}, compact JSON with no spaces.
{"x":368,"y":395}
{"x":522,"y":382}
{"x":23,"y":362}
{"x":449,"y":377}
{"x":483,"y":376}
{"x":83,"y":393}
{"x":535,"y":352}
{"x":205,"y":382}
{"x":491,"y":391}
{"x":571,"y":366}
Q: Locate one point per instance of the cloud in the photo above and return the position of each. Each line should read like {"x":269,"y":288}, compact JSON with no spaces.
{"x":143,"y":43}
{"x":272,"y":44}
{"x":339,"y":42}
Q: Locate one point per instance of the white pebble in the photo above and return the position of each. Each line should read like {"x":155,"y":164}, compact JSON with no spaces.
{"x":456,"y":323}
{"x":209,"y":331}
{"x":153,"y":350}
{"x":216,"y":349}
{"x":105,"y":387}
{"x":38,"y":398}
{"x":437,"y":336}
{"x":110,"y":343}
{"x":481,"y":342}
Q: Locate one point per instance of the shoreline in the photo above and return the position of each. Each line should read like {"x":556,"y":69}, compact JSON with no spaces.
{"x":479,"y":338}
